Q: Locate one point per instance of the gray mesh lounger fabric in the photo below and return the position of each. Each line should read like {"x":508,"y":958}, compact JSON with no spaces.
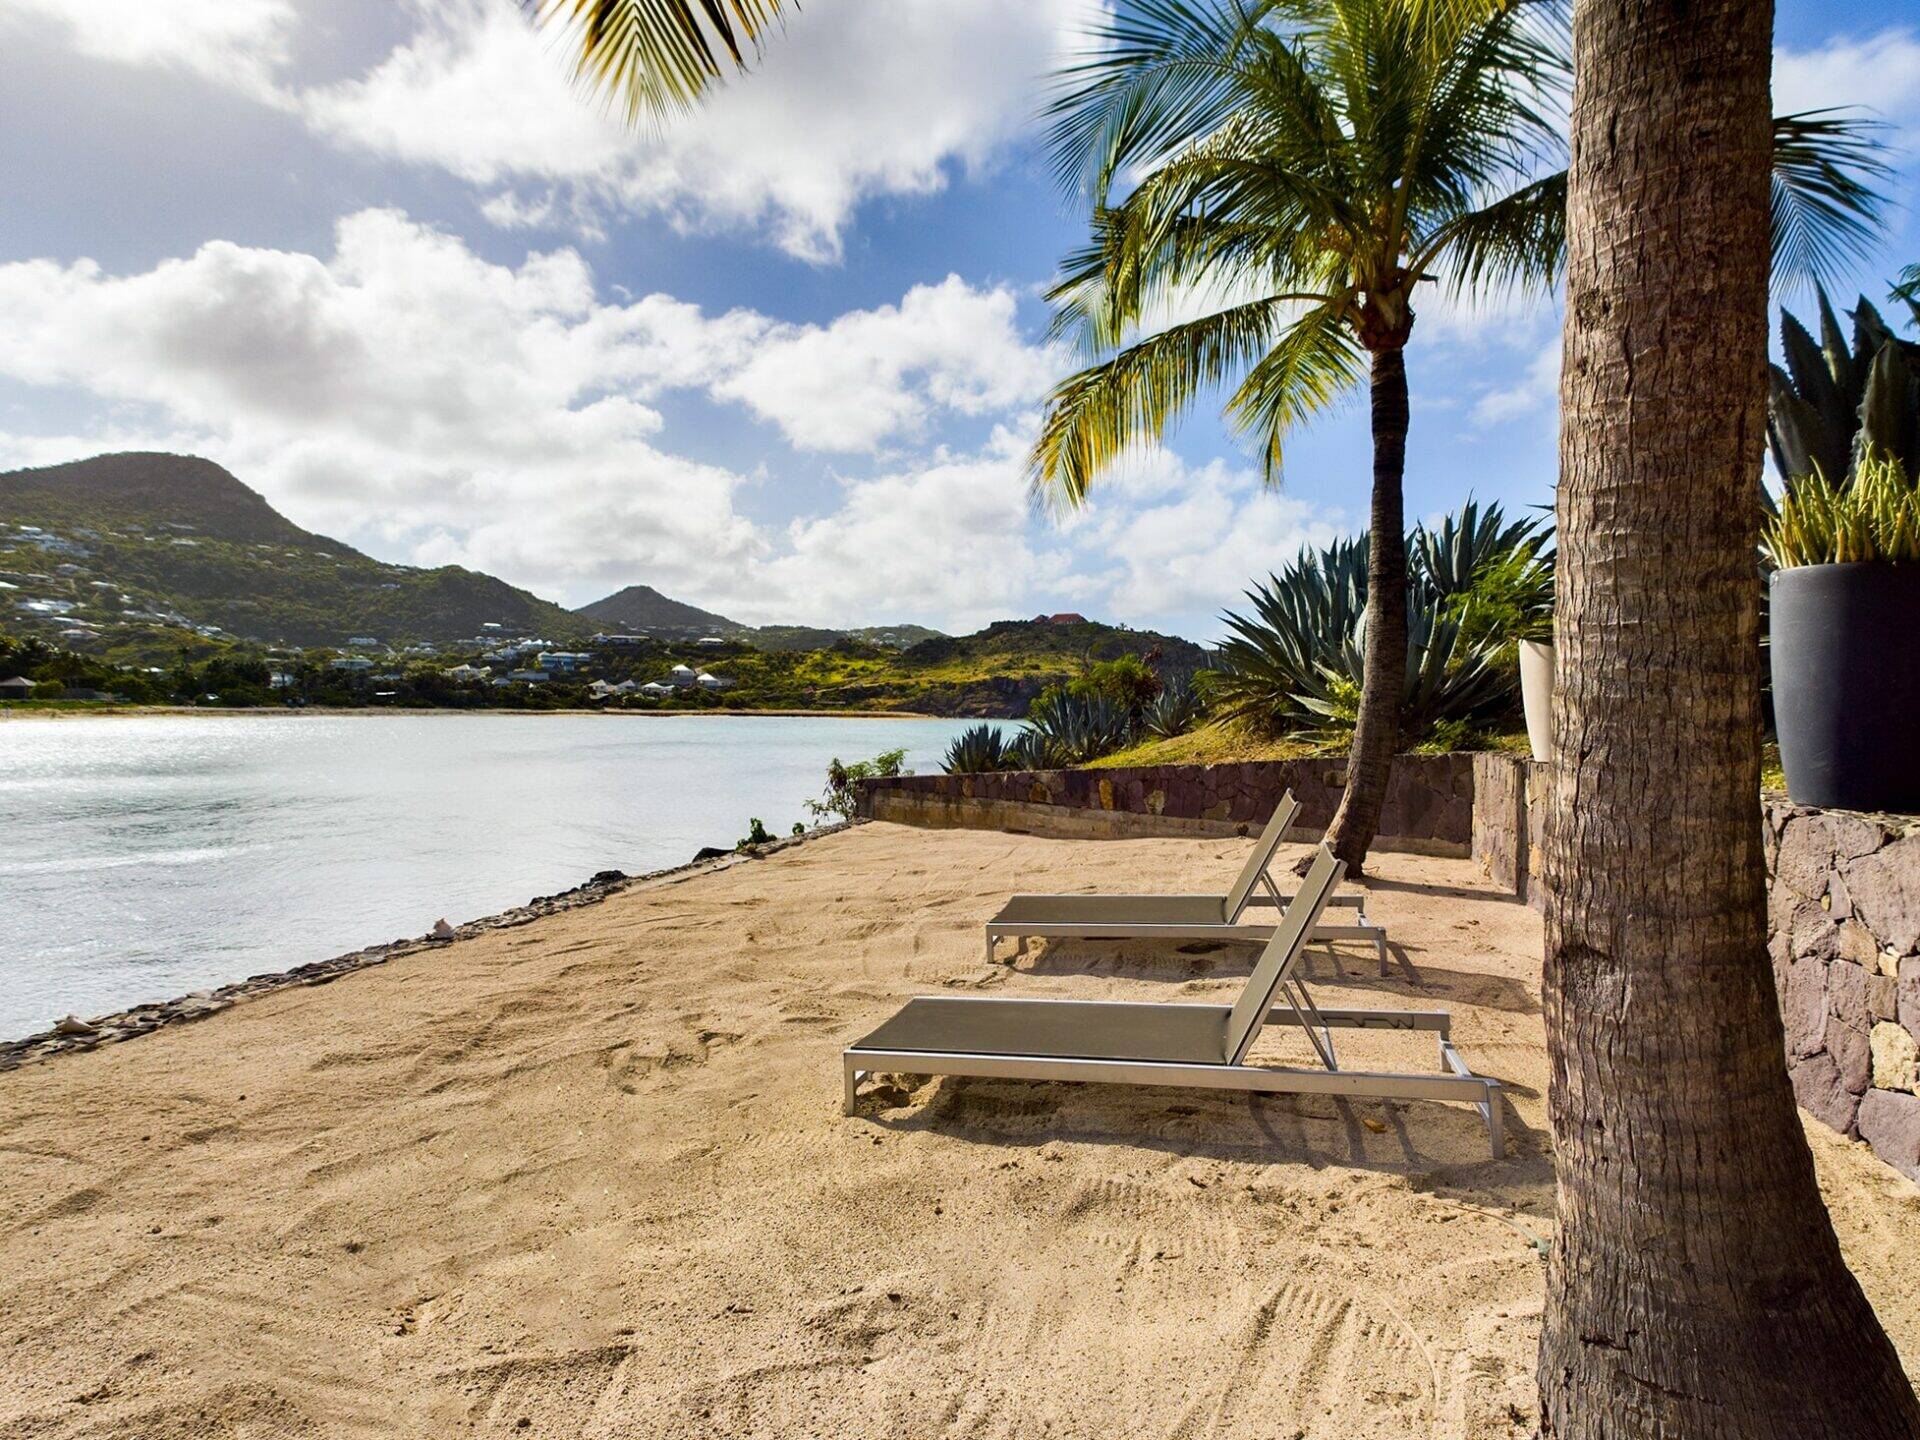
{"x":1168,"y":1044}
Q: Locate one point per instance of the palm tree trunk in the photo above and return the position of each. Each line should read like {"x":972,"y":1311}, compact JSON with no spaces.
{"x":1377,"y":734}
{"x":1695,"y":1286}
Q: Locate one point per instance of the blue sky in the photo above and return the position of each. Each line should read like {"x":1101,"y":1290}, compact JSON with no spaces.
{"x":781,"y":359}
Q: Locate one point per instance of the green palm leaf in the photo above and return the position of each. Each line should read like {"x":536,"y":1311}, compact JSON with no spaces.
{"x":652,"y":57}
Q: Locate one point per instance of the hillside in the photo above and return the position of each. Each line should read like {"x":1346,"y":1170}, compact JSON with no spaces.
{"x":147,"y":547}
{"x":995,"y":672}
{"x":644,"y":610}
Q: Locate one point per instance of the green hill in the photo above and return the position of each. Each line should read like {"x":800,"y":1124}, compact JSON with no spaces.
{"x":144,"y":547}
{"x":641,"y":609}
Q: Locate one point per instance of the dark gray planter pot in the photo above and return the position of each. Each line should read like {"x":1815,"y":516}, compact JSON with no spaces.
{"x":1846,"y":684}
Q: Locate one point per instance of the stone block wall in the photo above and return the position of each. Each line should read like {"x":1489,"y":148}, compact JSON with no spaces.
{"x":1429,"y":805}
{"x":1843,"y":908}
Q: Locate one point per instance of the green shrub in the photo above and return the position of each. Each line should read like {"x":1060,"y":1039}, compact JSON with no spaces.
{"x":836,"y":802}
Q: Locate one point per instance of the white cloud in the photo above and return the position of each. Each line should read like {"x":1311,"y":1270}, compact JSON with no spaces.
{"x":1537,"y":388}
{"x":413,"y":396}
{"x":842,"y":108}
{"x":240,"y":43}
{"x":877,"y":374}
{"x":1880,"y":72}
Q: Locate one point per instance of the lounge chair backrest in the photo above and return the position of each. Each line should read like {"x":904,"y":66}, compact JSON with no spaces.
{"x":1262,"y":855}
{"x":1283,"y":950}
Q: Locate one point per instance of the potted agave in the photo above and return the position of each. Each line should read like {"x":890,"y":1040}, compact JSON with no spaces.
{"x":1843,"y":425}
{"x":1845,"y":602}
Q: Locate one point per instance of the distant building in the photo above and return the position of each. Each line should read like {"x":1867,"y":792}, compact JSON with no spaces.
{"x":529,"y":677}
{"x":564,"y":662}
{"x":353,"y":664}
{"x":361,"y":640}
{"x":656,"y":689}
{"x":619,"y":642}
{"x":683,"y":677}
{"x":712,"y":640}
{"x":462,"y":674}
{"x":711,"y":682}
{"x":16,"y":687}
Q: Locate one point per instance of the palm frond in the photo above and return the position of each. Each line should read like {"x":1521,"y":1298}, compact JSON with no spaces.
{"x":1311,"y":366}
{"x":653,"y":57}
{"x":1825,"y":209}
{"x":1094,"y":416}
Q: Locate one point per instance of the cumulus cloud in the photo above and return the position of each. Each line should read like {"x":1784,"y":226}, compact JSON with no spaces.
{"x":840,"y":110}
{"x":439,"y":407}
{"x":1537,"y":388}
{"x":1880,"y":72}
{"x":238,"y":43}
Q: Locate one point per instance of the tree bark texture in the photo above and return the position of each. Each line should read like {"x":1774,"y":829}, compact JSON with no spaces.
{"x":1695,"y":1288}
{"x":1377,"y":734}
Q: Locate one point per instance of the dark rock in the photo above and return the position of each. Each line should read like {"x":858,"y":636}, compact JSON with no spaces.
{"x":1885,"y":889}
{"x":1847,"y":995}
{"x":1804,"y":1006}
{"x":1883,"y":996}
{"x":1890,"y":1123}
{"x":1852,"y":1054}
{"x":1908,"y":999}
{"x":708,"y":852}
{"x":1815,"y":936}
{"x":1817,"y":1089}
{"x":1805,"y":856}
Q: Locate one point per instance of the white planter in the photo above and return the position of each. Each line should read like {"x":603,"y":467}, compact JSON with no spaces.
{"x":1536,"y":695}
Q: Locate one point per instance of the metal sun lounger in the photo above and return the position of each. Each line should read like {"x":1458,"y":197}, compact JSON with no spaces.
{"x":1183,"y":917}
{"x":1152,"y":1043}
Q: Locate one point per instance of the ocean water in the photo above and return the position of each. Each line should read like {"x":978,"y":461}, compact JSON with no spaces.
{"x":144,"y":857}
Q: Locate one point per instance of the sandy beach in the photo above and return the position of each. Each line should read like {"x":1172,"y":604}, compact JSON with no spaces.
{"x":588,"y":1177}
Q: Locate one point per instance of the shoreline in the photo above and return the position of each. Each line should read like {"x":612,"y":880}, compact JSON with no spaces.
{"x":135,"y":712}
{"x":63,"y":1037}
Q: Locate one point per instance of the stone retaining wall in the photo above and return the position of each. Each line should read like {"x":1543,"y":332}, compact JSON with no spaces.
{"x":1843,"y":910}
{"x":1429,"y":805}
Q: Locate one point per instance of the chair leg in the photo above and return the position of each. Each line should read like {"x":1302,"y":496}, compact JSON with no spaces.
{"x":850,"y":1079}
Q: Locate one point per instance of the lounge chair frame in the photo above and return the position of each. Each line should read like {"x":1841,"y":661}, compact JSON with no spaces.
{"x":1231,"y":927}
{"x":1453,"y":1080}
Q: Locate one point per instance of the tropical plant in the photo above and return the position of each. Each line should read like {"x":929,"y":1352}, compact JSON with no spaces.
{"x":976,"y":749}
{"x":1073,"y":729}
{"x":1303,"y":167}
{"x":651,"y":57}
{"x":1178,"y":707}
{"x":1834,"y":403}
{"x":838,"y":800}
{"x":1298,"y":660}
{"x":1126,"y":681}
{"x":1876,"y":518}
{"x":1509,"y":599}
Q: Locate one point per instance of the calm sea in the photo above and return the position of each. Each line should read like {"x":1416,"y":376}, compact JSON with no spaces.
{"x":141,"y":858}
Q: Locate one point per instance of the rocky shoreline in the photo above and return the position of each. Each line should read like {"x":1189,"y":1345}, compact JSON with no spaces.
{"x":73,"y":1035}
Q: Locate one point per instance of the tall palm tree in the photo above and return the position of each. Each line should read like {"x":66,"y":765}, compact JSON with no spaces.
{"x":1695,"y":1287}
{"x":1310,"y":165}
{"x":650,"y":57}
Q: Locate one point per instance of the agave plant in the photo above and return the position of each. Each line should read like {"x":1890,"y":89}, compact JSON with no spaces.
{"x":1876,"y":518}
{"x":1297,"y":660}
{"x":1077,"y":728}
{"x":975,"y":750}
{"x":1835,"y":403}
{"x":1175,"y":710}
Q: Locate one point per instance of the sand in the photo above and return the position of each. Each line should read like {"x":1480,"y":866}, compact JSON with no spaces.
{"x":588,"y":1177}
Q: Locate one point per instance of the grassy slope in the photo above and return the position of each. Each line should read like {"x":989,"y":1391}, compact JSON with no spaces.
{"x":1224,"y":742}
